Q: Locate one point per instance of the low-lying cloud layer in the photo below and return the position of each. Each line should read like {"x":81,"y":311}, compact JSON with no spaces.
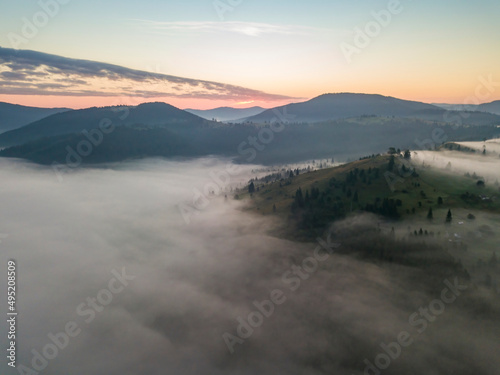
{"x":188,"y":284}
{"x":24,"y":72}
{"x":483,"y":166}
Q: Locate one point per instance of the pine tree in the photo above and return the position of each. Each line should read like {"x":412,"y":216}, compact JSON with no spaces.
{"x":449,"y":218}
{"x":251,"y":188}
{"x":430,"y":215}
{"x":390,"y":167}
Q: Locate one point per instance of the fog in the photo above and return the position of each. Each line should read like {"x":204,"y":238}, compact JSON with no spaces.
{"x":485,"y":166}
{"x":491,"y":145}
{"x":188,"y":283}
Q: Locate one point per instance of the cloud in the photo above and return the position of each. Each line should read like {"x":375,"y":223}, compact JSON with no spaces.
{"x":24,"y":72}
{"x":252,"y":29}
{"x":193,"y":281}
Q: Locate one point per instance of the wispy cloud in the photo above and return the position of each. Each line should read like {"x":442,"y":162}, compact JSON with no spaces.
{"x":24,"y":72}
{"x":252,"y":29}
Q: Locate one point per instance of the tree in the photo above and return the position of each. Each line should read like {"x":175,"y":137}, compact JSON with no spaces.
{"x":390,"y":167}
{"x":356,"y":197}
{"x":407,"y":154}
{"x":274,"y":208}
{"x":430,"y":215}
{"x":449,"y":217}
{"x":440,"y":200}
{"x":251,"y":188}
{"x":299,"y":198}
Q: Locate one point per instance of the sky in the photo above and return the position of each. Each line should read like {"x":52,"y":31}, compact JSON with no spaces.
{"x":209,"y":53}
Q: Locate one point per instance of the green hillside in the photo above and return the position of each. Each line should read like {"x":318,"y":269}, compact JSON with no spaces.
{"x":309,"y":201}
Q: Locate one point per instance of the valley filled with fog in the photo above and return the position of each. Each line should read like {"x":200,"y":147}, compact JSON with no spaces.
{"x":484,"y":165}
{"x":185,"y":286}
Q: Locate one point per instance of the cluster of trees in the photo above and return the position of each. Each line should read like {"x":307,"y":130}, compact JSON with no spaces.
{"x":385,"y":207}
{"x":406,"y":154}
{"x":368,"y":241}
{"x":372,"y":156}
{"x":361,"y":175}
{"x":314,"y":210}
{"x":423,"y":232}
{"x":470,"y":198}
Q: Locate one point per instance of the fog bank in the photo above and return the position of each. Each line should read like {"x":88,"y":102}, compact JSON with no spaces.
{"x":186,"y":285}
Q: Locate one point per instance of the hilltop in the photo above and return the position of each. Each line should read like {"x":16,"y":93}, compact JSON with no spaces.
{"x":347,"y":105}
{"x":150,"y":114}
{"x":398,"y":190}
{"x":13,"y":116}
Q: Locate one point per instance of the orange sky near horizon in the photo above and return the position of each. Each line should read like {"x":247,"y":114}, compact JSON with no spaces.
{"x":81,"y":102}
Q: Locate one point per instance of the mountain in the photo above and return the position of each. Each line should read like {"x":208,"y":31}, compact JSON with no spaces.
{"x":150,"y":114}
{"x":346,"y":105}
{"x":493,"y":107}
{"x":226,"y":113}
{"x":455,"y":107}
{"x":13,"y":116}
{"x":159,"y":129}
{"x":247,"y":143}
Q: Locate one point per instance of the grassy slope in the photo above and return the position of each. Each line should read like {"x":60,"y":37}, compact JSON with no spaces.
{"x":470,"y":241}
{"x":434,"y":183}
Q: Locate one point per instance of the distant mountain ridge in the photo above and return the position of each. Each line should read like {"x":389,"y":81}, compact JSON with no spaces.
{"x":347,"y":105}
{"x":493,"y":107}
{"x":365,"y":124}
{"x":151,"y":114}
{"x":13,"y":116}
{"x":226,"y":113}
